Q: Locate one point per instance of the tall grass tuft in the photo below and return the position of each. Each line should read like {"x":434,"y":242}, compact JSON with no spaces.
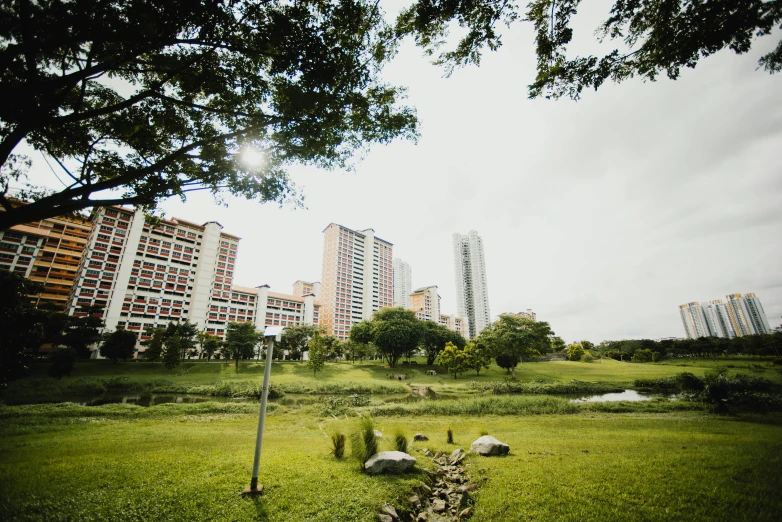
{"x":363,"y":443}
{"x":450,"y":435}
{"x":338,"y":445}
{"x":400,"y":441}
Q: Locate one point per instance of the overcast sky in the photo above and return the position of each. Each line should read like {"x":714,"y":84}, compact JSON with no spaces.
{"x":601,"y":215}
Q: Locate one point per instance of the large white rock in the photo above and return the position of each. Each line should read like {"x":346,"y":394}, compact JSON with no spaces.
{"x":488,"y":445}
{"x":389,"y":462}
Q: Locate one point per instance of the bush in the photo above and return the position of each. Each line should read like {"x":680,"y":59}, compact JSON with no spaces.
{"x":63,"y":362}
{"x":587,"y":358}
{"x":338,"y":445}
{"x":546,"y":388}
{"x":643,"y":355}
{"x":575,"y":352}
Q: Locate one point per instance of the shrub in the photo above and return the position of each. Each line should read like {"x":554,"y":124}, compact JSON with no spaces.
{"x":575,"y":352}
{"x":643,"y":355}
{"x":449,"y":433}
{"x":338,"y":445}
{"x":587,"y":358}
{"x":484,"y":432}
{"x":63,"y":362}
{"x":400,"y":442}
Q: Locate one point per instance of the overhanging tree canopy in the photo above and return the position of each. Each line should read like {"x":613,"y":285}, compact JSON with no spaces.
{"x":146,"y":99}
{"x":652,"y":37}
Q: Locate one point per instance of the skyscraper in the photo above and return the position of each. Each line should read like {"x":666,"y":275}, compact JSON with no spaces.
{"x":738,"y":315}
{"x":756,"y":314}
{"x":718,"y":319}
{"x":472,"y":297}
{"x":357,"y":277}
{"x":402,"y":283}
{"x":694,"y":320}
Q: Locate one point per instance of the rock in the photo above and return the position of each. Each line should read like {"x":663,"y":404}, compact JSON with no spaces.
{"x":420,"y":436}
{"x":378,"y":434}
{"x":456,"y":453}
{"x":464,"y":499}
{"x":384,"y":518}
{"x":427,"y":453}
{"x":422,"y":517}
{"x":425,"y":489}
{"x":488,"y":445}
{"x":466,"y":513}
{"x":414,"y":501}
{"x":438,"y":506}
{"x":429,"y":473}
{"x":468,"y":487}
{"x":388,"y":509}
{"x":389,"y":461}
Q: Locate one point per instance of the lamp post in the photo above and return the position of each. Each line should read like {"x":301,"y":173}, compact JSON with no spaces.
{"x":273,"y":333}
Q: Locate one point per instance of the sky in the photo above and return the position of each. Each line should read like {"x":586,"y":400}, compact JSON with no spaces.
{"x":601,"y":215}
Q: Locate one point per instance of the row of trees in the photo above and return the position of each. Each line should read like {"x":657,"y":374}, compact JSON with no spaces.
{"x":760,"y":345}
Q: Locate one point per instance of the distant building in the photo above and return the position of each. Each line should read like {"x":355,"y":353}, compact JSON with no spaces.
{"x":739,"y":316}
{"x":357,"y":278}
{"x":302,"y":288}
{"x":529,"y":314}
{"x":402,"y":283}
{"x":47,"y":252}
{"x":147,"y":273}
{"x":472,"y":294}
{"x":457,"y":324}
{"x":425,"y":302}
{"x":693,"y":320}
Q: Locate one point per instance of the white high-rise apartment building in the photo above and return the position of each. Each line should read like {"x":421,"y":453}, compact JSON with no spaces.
{"x":472,"y":295}
{"x":357,"y":277}
{"x":756,"y":314}
{"x":402,"y":283}
{"x":694,"y":320}
{"x":741,"y":315}
{"x":718,"y":319}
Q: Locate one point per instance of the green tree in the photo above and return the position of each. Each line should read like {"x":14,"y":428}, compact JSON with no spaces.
{"x":63,"y":362}
{"x":317,"y":353}
{"x":455,"y":360}
{"x":558,"y":345}
{"x":434,"y":337}
{"x":210,"y":346}
{"x":355,"y":350}
{"x":654,"y":37}
{"x":120,"y":344}
{"x":84,"y":330}
{"x":144,"y":100}
{"x":587,"y":346}
{"x":295,"y":338}
{"x":240,"y":341}
{"x":21,"y":324}
{"x":153,"y":345}
{"x":394,"y":331}
{"x":187,"y":333}
{"x":478,"y":357}
{"x":172,"y":349}
{"x":575,"y":352}
{"x":511,"y":339}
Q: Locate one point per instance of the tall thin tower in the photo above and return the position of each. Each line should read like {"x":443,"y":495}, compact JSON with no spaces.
{"x":402,"y":283}
{"x":472,"y":295}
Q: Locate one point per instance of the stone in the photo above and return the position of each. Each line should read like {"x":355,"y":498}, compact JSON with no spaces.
{"x":466,"y":513}
{"x":464,"y":499}
{"x":389,"y":461}
{"x":422,"y":517}
{"x":414,"y":501}
{"x":427,"y":453}
{"x":488,"y":446}
{"x":438,"y":506}
{"x":382,"y":517}
{"x":455,"y":454}
{"x":468,"y":487}
{"x":420,"y":436}
{"x":378,"y":434}
{"x":425,"y":489}
{"x":388,"y":509}
{"x":429,"y":473}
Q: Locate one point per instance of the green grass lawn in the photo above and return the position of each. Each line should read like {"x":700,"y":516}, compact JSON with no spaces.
{"x":189,"y":462}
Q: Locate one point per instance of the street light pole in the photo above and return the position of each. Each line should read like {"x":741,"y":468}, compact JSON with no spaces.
{"x":272,"y":333}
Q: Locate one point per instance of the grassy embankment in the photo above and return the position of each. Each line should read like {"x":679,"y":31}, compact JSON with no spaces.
{"x":189,"y":462}
{"x":221,"y":378}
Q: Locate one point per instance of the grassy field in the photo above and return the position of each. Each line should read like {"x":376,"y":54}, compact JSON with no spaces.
{"x":189,"y":462}
{"x":91,"y":377}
